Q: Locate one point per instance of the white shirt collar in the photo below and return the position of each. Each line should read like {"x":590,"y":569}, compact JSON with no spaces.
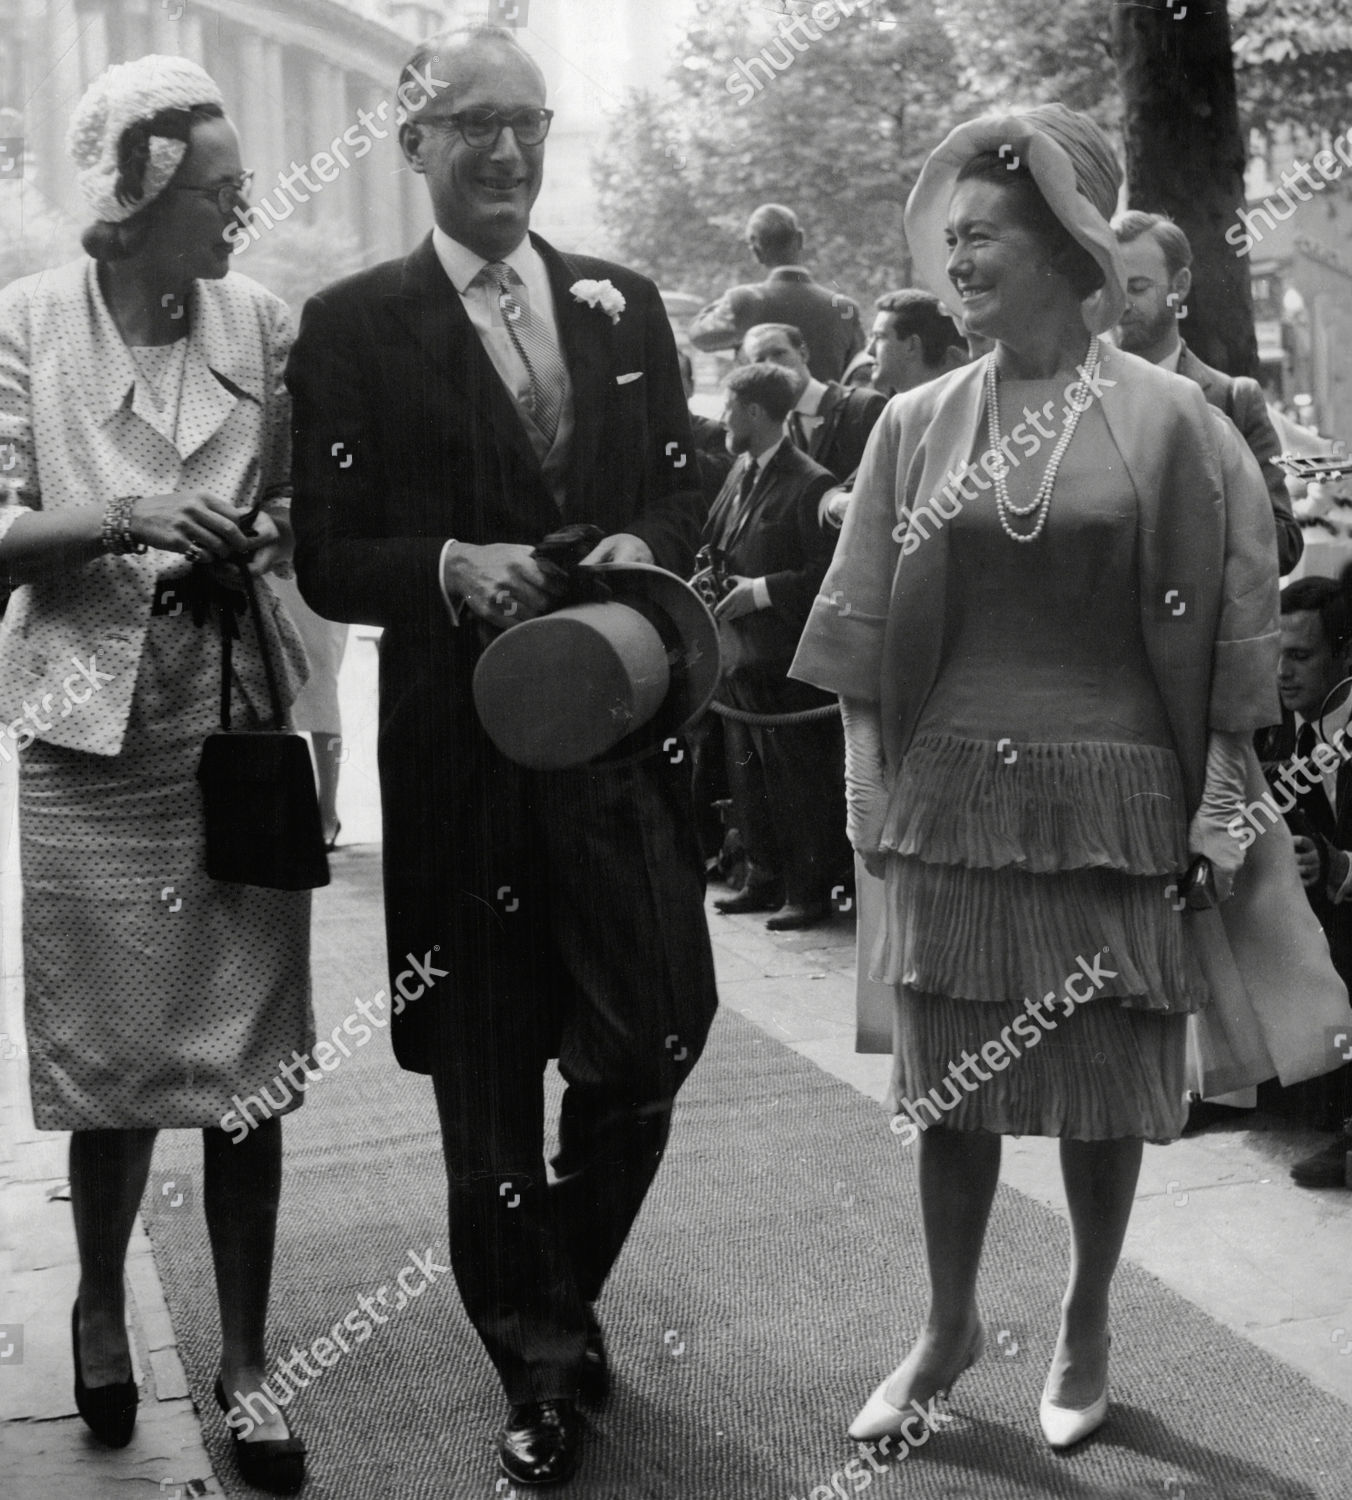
{"x":462,"y":264}
{"x":809,"y":403}
{"x":761,"y":459}
{"x":1170,"y":360}
{"x":1337,"y":718}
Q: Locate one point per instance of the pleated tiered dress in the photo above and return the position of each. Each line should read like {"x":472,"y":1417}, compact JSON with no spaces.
{"x":1038,"y":826}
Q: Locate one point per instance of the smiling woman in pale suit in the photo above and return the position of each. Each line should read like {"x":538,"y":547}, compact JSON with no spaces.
{"x":1050,"y":660}
{"x":142,"y":404}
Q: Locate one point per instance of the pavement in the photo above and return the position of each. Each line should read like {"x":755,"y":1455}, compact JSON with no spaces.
{"x":1216,"y":1218}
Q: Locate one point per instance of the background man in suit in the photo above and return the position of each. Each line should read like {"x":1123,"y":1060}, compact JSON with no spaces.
{"x":912,"y":341}
{"x":711,"y":438}
{"x":787,"y":781}
{"x":830,"y":422}
{"x":451,"y":410}
{"x":1316,"y":629}
{"x":1158,"y":259}
{"x":829,"y":320}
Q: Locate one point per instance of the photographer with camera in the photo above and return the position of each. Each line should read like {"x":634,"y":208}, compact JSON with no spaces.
{"x":764,"y":559}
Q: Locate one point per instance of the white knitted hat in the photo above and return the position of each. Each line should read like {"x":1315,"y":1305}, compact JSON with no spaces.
{"x":121,"y":96}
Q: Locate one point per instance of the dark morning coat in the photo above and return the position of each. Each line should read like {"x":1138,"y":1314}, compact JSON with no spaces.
{"x":779,"y":539}
{"x":405,"y":436}
{"x":848,"y":415}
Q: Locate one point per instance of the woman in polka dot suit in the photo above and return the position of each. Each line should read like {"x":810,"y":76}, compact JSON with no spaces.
{"x":142,"y":412}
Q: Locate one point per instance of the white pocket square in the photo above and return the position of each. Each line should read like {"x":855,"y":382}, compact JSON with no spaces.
{"x":626,"y":379}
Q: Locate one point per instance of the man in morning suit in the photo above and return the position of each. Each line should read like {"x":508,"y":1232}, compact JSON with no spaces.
{"x":787,"y":781}
{"x":1158,"y":259}
{"x":829,"y":320}
{"x":830,"y":422}
{"x":451,"y":410}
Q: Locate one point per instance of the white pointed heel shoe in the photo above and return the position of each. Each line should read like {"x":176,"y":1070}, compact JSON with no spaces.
{"x":1064,"y":1426}
{"x":879,"y":1418}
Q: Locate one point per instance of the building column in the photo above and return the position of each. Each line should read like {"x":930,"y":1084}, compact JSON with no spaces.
{"x":327,"y":115}
{"x":190,"y":41}
{"x":93,"y":44}
{"x":382,"y":173}
{"x":137,"y":33}
{"x":56,"y":82}
{"x":165,"y":20}
{"x":253,"y":108}
{"x":260,"y":118}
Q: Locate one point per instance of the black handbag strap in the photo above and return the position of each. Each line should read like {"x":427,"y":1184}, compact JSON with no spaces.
{"x":269,"y":671}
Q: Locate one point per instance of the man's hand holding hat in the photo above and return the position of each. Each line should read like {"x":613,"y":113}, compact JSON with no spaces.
{"x":504,"y":583}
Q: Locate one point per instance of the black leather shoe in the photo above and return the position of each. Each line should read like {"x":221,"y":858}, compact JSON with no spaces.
{"x":754,"y":898}
{"x":1325,"y":1168}
{"x":539,"y":1444}
{"x":795,"y":916}
{"x":1203,"y":1113}
{"x":593,"y":1381}
{"x":276,"y":1465}
{"x":109,"y":1411}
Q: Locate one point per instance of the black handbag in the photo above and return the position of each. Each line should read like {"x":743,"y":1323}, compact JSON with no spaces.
{"x":258,"y":788}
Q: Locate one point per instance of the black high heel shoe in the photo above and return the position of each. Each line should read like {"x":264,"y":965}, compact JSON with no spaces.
{"x":109,"y":1411}
{"x":276,"y":1465}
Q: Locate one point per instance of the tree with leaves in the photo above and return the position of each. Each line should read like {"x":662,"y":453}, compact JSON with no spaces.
{"x":838,"y":134}
{"x":841,"y":131}
{"x":1185,"y":157}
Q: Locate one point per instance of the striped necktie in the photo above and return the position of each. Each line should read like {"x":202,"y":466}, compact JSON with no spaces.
{"x":532,"y":341}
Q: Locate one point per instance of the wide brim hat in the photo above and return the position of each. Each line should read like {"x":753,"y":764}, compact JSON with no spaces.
{"x":1075,"y":170}
{"x":605,"y":682}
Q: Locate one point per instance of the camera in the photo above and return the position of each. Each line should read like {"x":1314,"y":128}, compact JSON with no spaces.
{"x":711,"y":580}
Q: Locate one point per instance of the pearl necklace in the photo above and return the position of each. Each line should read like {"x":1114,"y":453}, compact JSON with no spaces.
{"x":1078,"y":401}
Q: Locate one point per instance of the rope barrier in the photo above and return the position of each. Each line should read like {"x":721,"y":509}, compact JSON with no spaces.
{"x":802,"y":716}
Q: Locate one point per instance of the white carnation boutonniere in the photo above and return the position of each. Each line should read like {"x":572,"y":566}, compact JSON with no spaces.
{"x":600,"y":294}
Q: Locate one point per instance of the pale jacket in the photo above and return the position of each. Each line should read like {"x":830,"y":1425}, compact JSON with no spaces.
{"x":1207,"y":558}
{"x":1207,"y":574}
{"x":77,"y":428}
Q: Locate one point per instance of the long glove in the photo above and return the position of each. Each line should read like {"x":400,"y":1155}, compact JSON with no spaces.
{"x":866,"y":791}
{"x":1222,"y":801}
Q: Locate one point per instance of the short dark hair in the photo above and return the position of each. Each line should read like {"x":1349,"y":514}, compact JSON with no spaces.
{"x":921,"y":313}
{"x":1168,"y":236}
{"x":776,"y":227}
{"x":770,"y":387}
{"x":107,"y":240}
{"x":454,"y":38}
{"x":794,"y":335}
{"x":1325,"y":597}
{"x":1032,"y":210}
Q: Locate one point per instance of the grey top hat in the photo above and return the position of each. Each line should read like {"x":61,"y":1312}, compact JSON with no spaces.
{"x":607,"y":681}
